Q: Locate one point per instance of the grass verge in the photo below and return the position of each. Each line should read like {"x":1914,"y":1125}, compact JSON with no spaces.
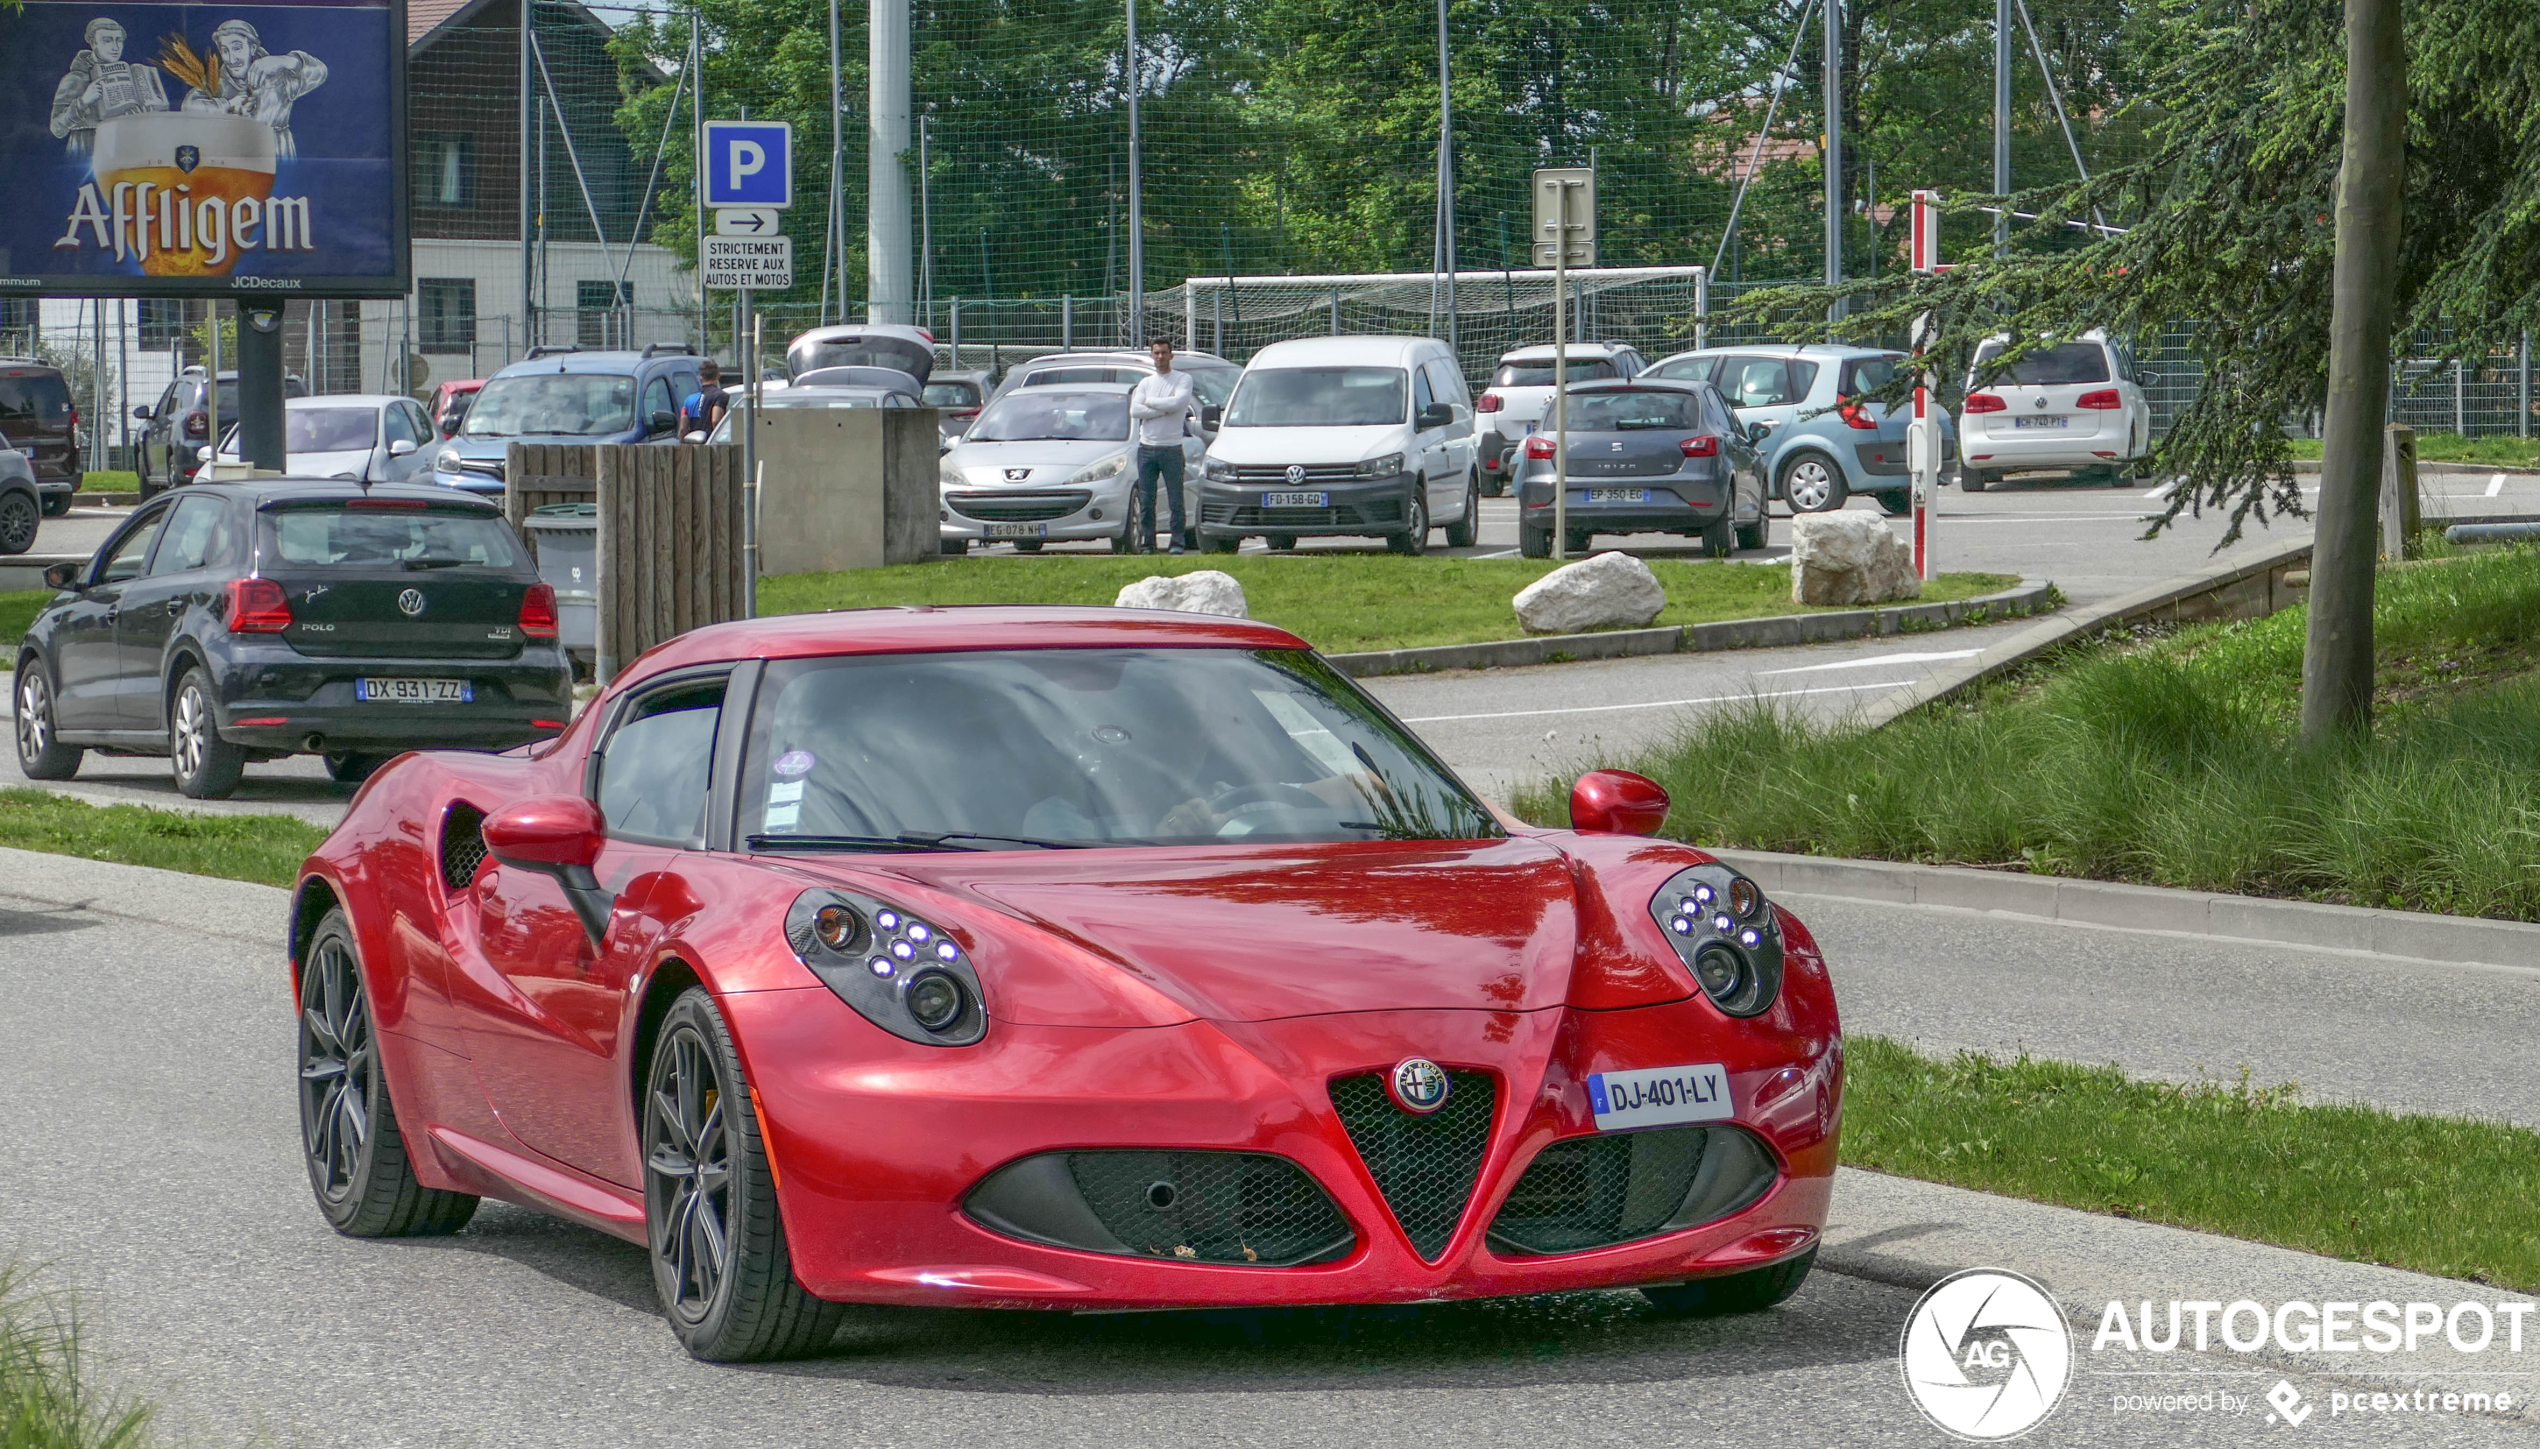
{"x":2453,"y":448}
{"x":46,"y":1401}
{"x":1341,"y":604}
{"x":266,"y":849}
{"x":2173,"y":759}
{"x":18,"y":608}
{"x":109,"y":480}
{"x":2434,"y":1194}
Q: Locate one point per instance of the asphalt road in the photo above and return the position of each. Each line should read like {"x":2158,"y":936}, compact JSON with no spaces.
{"x":151,"y":1166}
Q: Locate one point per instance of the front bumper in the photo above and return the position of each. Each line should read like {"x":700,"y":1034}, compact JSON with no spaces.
{"x":272,"y":697}
{"x":1056,"y":512}
{"x":1372,"y":507}
{"x":878,"y":1142}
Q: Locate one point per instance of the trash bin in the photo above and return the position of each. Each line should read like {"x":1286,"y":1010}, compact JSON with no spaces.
{"x":567,"y":538}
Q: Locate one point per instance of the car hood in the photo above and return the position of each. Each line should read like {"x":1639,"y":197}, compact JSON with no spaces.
{"x":492,"y":449}
{"x":1308,"y":445}
{"x":1044,"y":460}
{"x":1258,"y":933}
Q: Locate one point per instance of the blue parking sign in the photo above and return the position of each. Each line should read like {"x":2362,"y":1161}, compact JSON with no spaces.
{"x":749,"y":163}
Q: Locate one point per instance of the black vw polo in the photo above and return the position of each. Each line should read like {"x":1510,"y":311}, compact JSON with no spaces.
{"x":235,"y":622}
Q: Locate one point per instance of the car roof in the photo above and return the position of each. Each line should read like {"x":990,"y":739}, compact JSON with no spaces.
{"x":1310,"y":351}
{"x":1050,"y":387}
{"x":1110,"y":356}
{"x":344,"y":399}
{"x":1813,"y":351}
{"x":276,"y":490}
{"x":938,"y":629}
{"x":1642,"y":383}
{"x":618,"y":361}
{"x":1543,"y":351}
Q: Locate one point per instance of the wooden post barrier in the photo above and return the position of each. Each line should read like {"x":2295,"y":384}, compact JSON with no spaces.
{"x":669,"y":547}
{"x":2402,"y":509}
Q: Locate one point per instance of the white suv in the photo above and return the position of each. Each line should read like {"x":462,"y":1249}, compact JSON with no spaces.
{"x":2074,"y":408}
{"x":1518,"y":402}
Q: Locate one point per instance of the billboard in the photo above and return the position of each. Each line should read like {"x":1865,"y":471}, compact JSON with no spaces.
{"x":211,"y":149}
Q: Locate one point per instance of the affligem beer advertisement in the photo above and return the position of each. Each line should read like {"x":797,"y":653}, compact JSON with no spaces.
{"x":186,"y":149}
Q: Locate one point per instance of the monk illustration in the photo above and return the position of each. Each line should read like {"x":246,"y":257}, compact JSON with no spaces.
{"x":241,"y":78}
{"x":101,"y":86}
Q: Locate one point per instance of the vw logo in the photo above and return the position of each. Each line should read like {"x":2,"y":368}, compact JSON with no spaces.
{"x":1017,"y":475}
{"x":2041,"y":402}
{"x":410,"y":603}
{"x":1417,"y":1085}
{"x":1296,"y":472}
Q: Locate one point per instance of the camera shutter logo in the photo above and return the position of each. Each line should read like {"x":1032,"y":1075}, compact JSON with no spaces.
{"x":1986,"y":1354}
{"x":410,"y":603}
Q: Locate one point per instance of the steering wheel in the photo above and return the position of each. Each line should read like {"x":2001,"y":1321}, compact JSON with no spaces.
{"x":1253,"y":799}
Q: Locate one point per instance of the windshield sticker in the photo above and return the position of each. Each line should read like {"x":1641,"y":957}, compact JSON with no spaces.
{"x":794,"y":762}
{"x":782,"y":817}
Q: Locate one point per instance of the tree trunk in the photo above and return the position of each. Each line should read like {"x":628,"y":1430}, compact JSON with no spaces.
{"x":2337,"y":661}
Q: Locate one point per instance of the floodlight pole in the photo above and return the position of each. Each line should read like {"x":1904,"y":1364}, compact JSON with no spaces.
{"x":1444,"y":251}
{"x":1834,"y":155}
{"x":1137,"y":227}
{"x":1922,"y":436}
{"x":2002,"y":125}
{"x":887,"y":274}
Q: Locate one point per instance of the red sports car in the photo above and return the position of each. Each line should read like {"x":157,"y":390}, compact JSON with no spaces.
{"x":1056,"y":959}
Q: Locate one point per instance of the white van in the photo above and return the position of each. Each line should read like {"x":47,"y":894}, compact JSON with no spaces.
{"x":1325,"y":436}
{"x":2073,"y":408}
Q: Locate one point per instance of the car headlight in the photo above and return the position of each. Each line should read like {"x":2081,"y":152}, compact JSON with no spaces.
{"x":1384,"y":467}
{"x":1726,"y":933}
{"x":903,"y":973}
{"x":446,"y":460}
{"x":1215,"y":471}
{"x":1096,"y":472}
{"x":951,"y":478}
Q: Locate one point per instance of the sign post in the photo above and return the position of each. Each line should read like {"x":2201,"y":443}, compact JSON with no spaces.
{"x":748,"y":178}
{"x":1922,"y":436}
{"x":1565,"y":232}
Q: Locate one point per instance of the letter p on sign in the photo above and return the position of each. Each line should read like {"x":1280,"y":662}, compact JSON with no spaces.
{"x":749,"y":163}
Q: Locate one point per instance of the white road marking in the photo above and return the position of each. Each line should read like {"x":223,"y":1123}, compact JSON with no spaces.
{"x":1650,"y":704}
{"x":1875,"y":660}
{"x":2495,"y":485}
{"x":2164,"y":490}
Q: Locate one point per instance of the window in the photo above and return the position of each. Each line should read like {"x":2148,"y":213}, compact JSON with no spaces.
{"x":657,"y":402}
{"x":1687,"y":369}
{"x":1764,"y":382}
{"x":1537,"y":372}
{"x":1866,"y":374}
{"x":596,"y":319}
{"x":35,"y":394}
{"x":329,"y":430}
{"x":566,"y":404}
{"x":444,"y":173}
{"x":329,"y":536}
{"x":198,"y":537}
{"x":1069,"y":416}
{"x":1318,"y":397}
{"x":1423,"y":397}
{"x":18,"y":314}
{"x":1634,"y":410}
{"x":654,"y":771}
{"x":133,"y":550}
{"x":398,"y":427}
{"x":162,"y":325}
{"x":445,"y":314}
{"x":2061,"y":365}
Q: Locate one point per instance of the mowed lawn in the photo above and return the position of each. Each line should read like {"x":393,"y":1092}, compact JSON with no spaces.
{"x":1340,"y":604}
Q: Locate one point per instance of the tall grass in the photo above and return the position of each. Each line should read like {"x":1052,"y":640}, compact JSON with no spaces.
{"x":2176,"y":762}
{"x":45,"y":1400}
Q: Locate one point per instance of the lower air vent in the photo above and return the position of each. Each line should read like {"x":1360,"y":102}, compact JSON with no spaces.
{"x":1425,"y":1166}
{"x":1594,"y":1192}
{"x":462,"y":846}
{"x":1245,"y":1208}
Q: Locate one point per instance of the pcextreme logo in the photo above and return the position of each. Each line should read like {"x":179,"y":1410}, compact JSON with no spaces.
{"x":1986,"y":1354}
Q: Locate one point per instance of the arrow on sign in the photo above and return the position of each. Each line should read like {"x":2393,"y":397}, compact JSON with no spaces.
{"x":745,"y":221}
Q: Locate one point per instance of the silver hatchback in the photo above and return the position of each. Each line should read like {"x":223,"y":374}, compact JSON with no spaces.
{"x":1049,"y":465}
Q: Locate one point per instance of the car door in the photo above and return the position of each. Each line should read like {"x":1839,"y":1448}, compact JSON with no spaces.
{"x":402,"y":422}
{"x":547,"y":1049}
{"x":1746,"y":465}
{"x":188,"y":570}
{"x":1427,"y":443}
{"x":1463,"y":447}
{"x":158,"y":436}
{"x":87,"y":662}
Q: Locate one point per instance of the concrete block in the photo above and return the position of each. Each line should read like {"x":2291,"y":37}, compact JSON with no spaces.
{"x":1987,"y":890}
{"x":1781,"y":874}
{"x":2456,"y":938}
{"x":847,"y":488}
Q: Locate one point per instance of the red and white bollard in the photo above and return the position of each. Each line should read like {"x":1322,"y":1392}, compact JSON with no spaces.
{"x":1923,"y":460}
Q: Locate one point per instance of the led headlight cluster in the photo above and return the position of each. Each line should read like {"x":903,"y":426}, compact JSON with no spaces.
{"x":904,"y":974}
{"x":1724,"y":929}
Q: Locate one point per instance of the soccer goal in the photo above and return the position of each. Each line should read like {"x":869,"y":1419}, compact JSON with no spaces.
{"x":1484,"y":313}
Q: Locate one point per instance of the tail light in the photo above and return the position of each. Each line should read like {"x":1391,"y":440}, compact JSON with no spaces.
{"x":1489,"y":402}
{"x":197,"y":425}
{"x":257,"y":606}
{"x":2103,"y":399}
{"x":74,"y":420}
{"x":1538,"y":447}
{"x":1702,"y":445}
{"x":1854,"y":416}
{"x":1986,"y":402}
{"x":538,"y":612}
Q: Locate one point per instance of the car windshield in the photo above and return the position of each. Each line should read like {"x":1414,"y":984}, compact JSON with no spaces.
{"x":1213,"y":384}
{"x":28,"y":396}
{"x":2067,"y":362}
{"x":952,"y":394}
{"x":1764,"y":382}
{"x":1537,"y":372}
{"x":329,"y":430}
{"x":376,"y":535}
{"x":564,"y":404}
{"x":1090,"y":747}
{"x":1623,"y":412}
{"x":1320,"y":397}
{"x":1023,"y":417}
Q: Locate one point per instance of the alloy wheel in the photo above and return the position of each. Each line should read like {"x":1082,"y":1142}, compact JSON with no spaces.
{"x":35,"y":715}
{"x":192,"y":721}
{"x":19,"y":518}
{"x":1809,"y":485}
{"x":338,"y":1060}
{"x":689,"y":1173}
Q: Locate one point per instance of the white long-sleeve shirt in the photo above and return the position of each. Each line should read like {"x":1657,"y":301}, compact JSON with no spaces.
{"x":1160,"y":405}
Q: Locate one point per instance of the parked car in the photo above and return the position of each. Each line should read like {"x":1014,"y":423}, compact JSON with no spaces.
{"x":1212,"y":377}
{"x":810,"y":395}
{"x":859,"y":344}
{"x":1518,"y":402}
{"x":1053,"y":463}
{"x":958,"y":396}
{"x":23,"y":501}
{"x":449,"y":405}
{"x":36,"y":411}
{"x":1825,"y":442}
{"x":178,"y":427}
{"x":1302,"y":1023}
{"x":567,"y":395}
{"x":1327,"y":436}
{"x":247,"y":621}
{"x":371,"y":438}
{"x":1646,"y":457}
{"x":2071,"y":409}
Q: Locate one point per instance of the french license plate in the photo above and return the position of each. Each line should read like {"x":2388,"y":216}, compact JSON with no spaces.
{"x":1618,"y":495}
{"x":1659,"y":1096}
{"x":414,"y":691}
{"x":2021,"y":425}
{"x":1017,"y":530}
{"x":1296,"y":500}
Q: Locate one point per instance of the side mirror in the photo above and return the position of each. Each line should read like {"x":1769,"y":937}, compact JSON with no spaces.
{"x":1758,"y":432}
{"x":203,"y":454}
{"x":400,"y":448}
{"x":1616,"y":802}
{"x":1212,"y":418}
{"x":694,"y":437}
{"x":1435,"y":415}
{"x":558,"y":836}
{"x":62,"y":576}
{"x":142,"y":411}
{"x":661,"y":423}
{"x":2147,"y":379}
{"x":449,"y":426}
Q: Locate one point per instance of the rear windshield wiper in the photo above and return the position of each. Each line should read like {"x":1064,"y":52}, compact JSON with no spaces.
{"x":435,"y":563}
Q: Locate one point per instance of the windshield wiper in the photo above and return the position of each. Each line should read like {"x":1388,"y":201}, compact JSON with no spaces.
{"x":434,"y":563}
{"x":905,"y":840}
{"x":931,"y":837}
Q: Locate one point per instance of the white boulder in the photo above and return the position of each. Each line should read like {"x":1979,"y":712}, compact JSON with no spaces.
{"x":1849,"y":557}
{"x":1209,"y":591}
{"x":1608,"y":591}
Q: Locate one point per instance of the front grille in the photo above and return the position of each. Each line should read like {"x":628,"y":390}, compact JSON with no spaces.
{"x":1380,"y":512}
{"x":1193,"y":1206}
{"x":1276,"y":474}
{"x":1009,"y":508}
{"x":1425,"y":1166}
{"x":1594,"y":1192}
{"x":462,"y":846}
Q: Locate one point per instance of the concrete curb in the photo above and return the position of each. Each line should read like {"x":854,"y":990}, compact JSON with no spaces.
{"x":1776,"y":631}
{"x":2455,"y":939}
{"x":200,"y":904}
{"x":26,"y":570}
{"x":2424,"y":468}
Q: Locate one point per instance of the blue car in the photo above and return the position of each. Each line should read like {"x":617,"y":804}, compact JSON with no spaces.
{"x":1823,"y":446}
{"x":566,"y":395}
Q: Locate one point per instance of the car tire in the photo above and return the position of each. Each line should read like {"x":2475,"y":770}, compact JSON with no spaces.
{"x":207,"y":767}
{"x":21,"y":514}
{"x":1575,"y":542}
{"x":955,"y":547}
{"x":1534,"y":542}
{"x":1229,"y":543}
{"x":699,"y":1116}
{"x":1134,"y":535}
{"x":2121,"y":476}
{"x":1463,"y":532}
{"x":349,"y":1138}
{"x":1029,"y":545}
{"x":1896,"y":502}
{"x":350,"y":767}
{"x":1719,"y":540}
{"x":1413,"y":540}
{"x":1812,"y":483}
{"x":1752,"y":1291}
{"x":57,"y":504}
{"x":1756,"y":535}
{"x":1281,"y":542}
{"x":1973,"y":480}
{"x":41,"y":753}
